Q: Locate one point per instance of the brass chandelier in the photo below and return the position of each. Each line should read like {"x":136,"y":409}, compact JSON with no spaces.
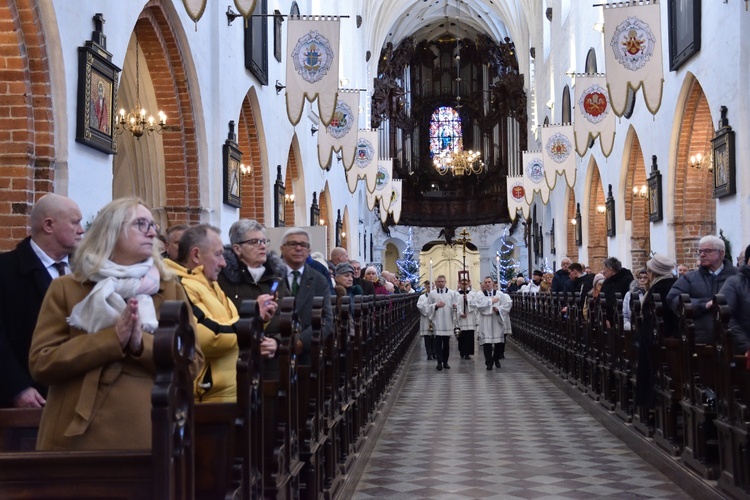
{"x":135,"y":121}
{"x":459,"y":163}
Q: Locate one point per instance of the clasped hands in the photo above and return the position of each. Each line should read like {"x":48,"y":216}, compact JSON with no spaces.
{"x":128,"y":328}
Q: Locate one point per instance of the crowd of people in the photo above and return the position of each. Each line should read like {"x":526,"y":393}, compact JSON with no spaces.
{"x":77,"y":313}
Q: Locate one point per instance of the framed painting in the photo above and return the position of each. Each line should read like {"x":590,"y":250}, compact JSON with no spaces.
{"x":232,"y":159}
{"x":97,"y":93}
{"x":655,"y":211}
{"x":610,"y":213}
{"x":724,"y":168}
{"x":256,"y":43}
{"x":684,"y":31}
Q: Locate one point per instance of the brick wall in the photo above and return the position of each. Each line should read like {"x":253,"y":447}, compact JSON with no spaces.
{"x":253,"y":184}
{"x":571,"y":229}
{"x":292,"y":175}
{"x":597,"y":222}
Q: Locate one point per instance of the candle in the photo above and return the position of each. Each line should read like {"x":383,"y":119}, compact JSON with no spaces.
{"x":497,"y":261}
{"x":430,"y":272}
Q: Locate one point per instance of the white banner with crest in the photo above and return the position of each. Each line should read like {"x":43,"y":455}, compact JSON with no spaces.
{"x":516,"y":197}
{"x":395,"y":202}
{"x":559,"y":157}
{"x":534,"y":178}
{"x":341,"y":134}
{"x":593,"y":114}
{"x":365,"y":161}
{"x":633,"y":53}
{"x":312,"y":67}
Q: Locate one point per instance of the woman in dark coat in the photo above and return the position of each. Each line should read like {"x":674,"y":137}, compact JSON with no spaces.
{"x":737,"y":292}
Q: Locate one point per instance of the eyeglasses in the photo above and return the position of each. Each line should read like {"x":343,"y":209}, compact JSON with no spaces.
{"x":298,"y":244}
{"x":145,"y":225}
{"x":254,"y":242}
{"x":707,"y":251}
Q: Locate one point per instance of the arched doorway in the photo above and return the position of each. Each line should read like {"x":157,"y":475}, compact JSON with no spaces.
{"x":448,"y":260}
{"x":636,"y":204}
{"x":255,"y":184}
{"x":597,"y":220}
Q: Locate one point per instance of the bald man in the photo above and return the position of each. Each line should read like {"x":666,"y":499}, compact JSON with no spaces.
{"x":339,"y":255}
{"x":25,"y":275}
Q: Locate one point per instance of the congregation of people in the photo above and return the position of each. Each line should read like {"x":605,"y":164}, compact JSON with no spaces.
{"x":78,"y":309}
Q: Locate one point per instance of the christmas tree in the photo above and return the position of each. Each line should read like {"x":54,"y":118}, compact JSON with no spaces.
{"x":506,"y":265}
{"x":408,"y":268}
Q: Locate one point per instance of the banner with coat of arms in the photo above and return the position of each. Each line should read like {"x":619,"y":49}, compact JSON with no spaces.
{"x":593,"y":114}
{"x":382,"y":184}
{"x":365,"y":161}
{"x":633,"y":53}
{"x":534,"y":178}
{"x":341,"y":134}
{"x":312,"y":69}
{"x":517,"y":197}
{"x":396,"y":191}
{"x":559,"y":157}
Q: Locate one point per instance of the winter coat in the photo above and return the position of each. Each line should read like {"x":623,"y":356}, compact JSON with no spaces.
{"x":701,"y":285}
{"x":216,"y":316}
{"x":559,"y":279}
{"x":617,"y":283}
{"x":636,"y":291}
{"x":737,"y":292}
{"x":99,"y":395}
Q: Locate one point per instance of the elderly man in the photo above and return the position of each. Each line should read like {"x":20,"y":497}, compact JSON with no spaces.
{"x":25,"y":275}
{"x":199,"y":262}
{"x":562,"y":275}
{"x":305,"y":283}
{"x":682,"y":270}
{"x":702,"y":284}
{"x":339,"y":255}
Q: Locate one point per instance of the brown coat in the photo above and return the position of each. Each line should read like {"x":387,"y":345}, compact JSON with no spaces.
{"x":99,"y":395}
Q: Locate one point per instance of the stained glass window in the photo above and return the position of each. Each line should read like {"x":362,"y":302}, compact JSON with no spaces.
{"x":445,"y":131}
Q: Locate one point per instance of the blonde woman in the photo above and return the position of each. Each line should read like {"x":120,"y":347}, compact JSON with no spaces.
{"x":93,"y":343}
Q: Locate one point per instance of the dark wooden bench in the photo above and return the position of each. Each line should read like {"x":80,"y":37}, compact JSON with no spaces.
{"x":668,"y":356}
{"x":166,"y":471}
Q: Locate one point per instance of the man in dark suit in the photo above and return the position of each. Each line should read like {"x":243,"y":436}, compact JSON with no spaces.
{"x":25,"y":275}
{"x":305,"y":283}
{"x":367,"y":287}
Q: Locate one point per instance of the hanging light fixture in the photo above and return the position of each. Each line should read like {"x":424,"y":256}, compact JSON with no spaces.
{"x":459,"y":162}
{"x":135,"y":121}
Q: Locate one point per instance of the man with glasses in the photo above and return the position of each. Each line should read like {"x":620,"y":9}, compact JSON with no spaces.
{"x":702,"y":284}
{"x":305,"y":283}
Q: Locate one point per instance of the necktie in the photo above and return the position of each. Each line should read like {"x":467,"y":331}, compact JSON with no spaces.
{"x":60,"y":266}
{"x":295,"y":283}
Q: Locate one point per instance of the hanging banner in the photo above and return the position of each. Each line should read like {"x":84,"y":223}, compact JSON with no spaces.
{"x":382,"y":184}
{"x":534,"y":179}
{"x":312,"y":69}
{"x":396,"y":192}
{"x":195,"y":9}
{"x":593,"y":114}
{"x":559,"y":157}
{"x":633,"y":48}
{"x":245,"y":8}
{"x":365,"y":161}
{"x":517,"y":197}
{"x":341,"y":134}
{"x":383,"y":210}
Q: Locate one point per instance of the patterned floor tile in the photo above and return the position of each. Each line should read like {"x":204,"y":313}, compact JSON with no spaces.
{"x":506,"y":434}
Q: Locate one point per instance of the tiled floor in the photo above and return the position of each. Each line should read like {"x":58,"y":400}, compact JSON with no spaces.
{"x":502,"y":434}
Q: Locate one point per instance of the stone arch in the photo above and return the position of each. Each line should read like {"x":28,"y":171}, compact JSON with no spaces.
{"x":596,"y":220}
{"x":572,"y":251}
{"x":591,"y":61}
{"x":694,"y":207}
{"x":636,"y":202}
{"x":27,"y":127}
{"x":170,"y":160}
{"x":255,"y":185}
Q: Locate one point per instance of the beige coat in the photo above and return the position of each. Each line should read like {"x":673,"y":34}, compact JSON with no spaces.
{"x":99,"y":395}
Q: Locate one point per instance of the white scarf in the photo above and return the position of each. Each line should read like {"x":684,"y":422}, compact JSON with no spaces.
{"x":115,"y":284}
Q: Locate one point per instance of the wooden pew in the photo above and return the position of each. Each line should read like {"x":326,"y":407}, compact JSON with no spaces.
{"x":624,"y":369}
{"x":700,"y":451}
{"x":733,"y":408}
{"x":164,"y":472}
{"x":668,"y":356}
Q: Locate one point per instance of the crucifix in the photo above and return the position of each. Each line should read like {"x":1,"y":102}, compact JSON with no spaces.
{"x":463,"y":240}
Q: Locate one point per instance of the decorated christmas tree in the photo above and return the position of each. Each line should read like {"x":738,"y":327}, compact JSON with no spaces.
{"x":505,"y":265}
{"x":408,"y":267}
